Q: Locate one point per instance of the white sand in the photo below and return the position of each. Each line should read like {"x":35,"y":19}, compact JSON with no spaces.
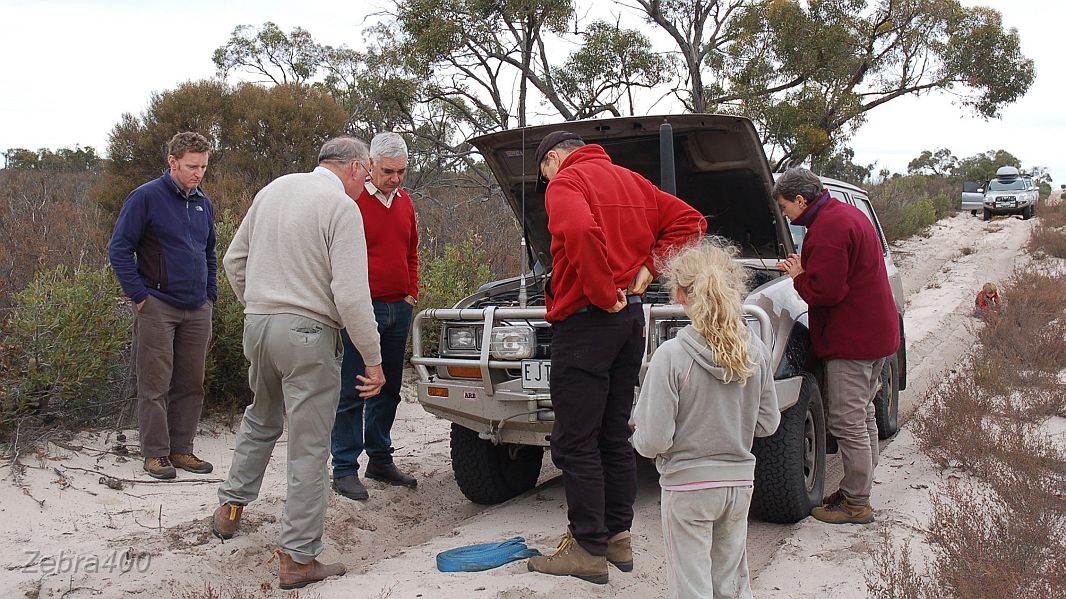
{"x":389,"y":542}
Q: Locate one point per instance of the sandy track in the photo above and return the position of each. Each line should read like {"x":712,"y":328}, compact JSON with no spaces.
{"x":390,"y":541}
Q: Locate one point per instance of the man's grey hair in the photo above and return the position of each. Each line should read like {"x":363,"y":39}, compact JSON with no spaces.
{"x":798,"y":182}
{"x":343,"y":149}
{"x":388,"y":145}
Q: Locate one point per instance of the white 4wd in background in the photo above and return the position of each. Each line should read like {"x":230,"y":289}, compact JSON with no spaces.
{"x":1010,"y":193}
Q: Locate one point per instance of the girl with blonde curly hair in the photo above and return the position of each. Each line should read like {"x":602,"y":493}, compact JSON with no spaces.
{"x":708,"y":392}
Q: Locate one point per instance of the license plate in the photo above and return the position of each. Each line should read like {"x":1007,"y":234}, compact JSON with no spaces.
{"x":535,"y":374}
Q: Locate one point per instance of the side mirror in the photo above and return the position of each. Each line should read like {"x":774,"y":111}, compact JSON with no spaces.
{"x":980,"y":190}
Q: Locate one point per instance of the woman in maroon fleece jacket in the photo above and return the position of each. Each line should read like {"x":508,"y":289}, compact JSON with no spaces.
{"x":854,"y":327}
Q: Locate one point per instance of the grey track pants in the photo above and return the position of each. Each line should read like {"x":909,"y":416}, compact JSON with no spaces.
{"x":295,"y":372}
{"x":707,"y":527}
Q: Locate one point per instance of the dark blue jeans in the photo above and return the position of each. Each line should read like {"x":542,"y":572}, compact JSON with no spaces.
{"x":366,"y":424}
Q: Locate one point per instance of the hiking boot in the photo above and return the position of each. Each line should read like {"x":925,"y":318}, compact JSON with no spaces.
{"x":389,"y":473}
{"x":351,"y":487}
{"x":294,"y":575}
{"x":571,"y":559}
{"x":160,"y":468}
{"x":833,"y":498}
{"x":844,"y":512}
{"x":225,"y":521}
{"x":620,"y":551}
{"x":188,"y":461}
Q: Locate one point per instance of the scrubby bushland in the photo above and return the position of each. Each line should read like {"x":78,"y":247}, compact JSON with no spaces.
{"x":257,"y":134}
{"x":46,"y":220}
{"x":1000,"y":531}
{"x":909,"y":204}
{"x":66,"y":348}
{"x":451,"y":215}
{"x":227,"y":368}
{"x":1049,"y":234}
{"x":458,"y":272}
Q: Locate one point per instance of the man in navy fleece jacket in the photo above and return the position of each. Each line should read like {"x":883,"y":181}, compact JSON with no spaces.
{"x":163,"y":253}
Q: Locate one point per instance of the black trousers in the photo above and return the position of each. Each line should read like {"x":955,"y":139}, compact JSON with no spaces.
{"x":595,"y":366}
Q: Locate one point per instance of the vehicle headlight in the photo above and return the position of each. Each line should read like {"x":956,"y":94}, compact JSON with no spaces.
{"x":462,"y":338}
{"x":512,"y":343}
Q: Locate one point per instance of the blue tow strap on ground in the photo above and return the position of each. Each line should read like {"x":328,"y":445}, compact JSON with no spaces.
{"x":475,"y":558}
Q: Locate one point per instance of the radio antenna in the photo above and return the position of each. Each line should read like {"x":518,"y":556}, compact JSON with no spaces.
{"x":522,"y":264}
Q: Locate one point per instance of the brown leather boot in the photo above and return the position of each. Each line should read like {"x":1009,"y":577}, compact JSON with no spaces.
{"x":294,"y":575}
{"x":844,"y":512}
{"x":620,"y":551}
{"x":188,"y":461}
{"x":160,"y":468}
{"x":225,"y":521}
{"x":571,"y":559}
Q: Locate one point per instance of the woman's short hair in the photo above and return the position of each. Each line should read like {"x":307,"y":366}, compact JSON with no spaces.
{"x":797,"y":182}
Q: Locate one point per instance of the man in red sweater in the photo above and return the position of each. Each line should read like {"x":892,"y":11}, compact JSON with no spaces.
{"x":392,"y":254}
{"x":854,"y":327}
{"x":608,"y":225}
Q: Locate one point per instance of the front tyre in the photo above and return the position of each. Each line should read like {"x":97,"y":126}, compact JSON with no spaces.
{"x":790,"y":464}
{"x":886,"y":401}
{"x":489,"y":474}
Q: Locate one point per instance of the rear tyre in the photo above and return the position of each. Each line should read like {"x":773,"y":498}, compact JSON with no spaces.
{"x":886,"y":402}
{"x":790,"y":464}
{"x":490,"y":474}
{"x":987,"y":214}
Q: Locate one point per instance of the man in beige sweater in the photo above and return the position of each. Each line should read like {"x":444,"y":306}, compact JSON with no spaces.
{"x":298,"y":264}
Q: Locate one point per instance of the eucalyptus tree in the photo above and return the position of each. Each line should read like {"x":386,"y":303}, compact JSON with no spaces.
{"x":809,"y":72}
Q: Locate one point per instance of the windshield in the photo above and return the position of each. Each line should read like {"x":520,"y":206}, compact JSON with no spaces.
{"x":997,"y":185}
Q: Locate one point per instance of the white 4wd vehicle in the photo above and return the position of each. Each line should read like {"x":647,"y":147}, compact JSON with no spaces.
{"x":1010,"y":193}
{"x":489,"y":375}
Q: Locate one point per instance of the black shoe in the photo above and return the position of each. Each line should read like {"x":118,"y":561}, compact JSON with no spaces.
{"x":389,"y":473}
{"x":351,"y":487}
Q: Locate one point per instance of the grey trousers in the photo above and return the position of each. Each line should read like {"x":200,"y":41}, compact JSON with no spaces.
{"x":295,"y":372}
{"x":707,"y":527}
{"x":850,"y":388}
{"x":171,"y":346}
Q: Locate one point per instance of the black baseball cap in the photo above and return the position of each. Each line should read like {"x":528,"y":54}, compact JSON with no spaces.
{"x":553,"y":139}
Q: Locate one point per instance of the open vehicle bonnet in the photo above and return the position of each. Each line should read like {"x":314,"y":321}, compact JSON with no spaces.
{"x":721,"y":170}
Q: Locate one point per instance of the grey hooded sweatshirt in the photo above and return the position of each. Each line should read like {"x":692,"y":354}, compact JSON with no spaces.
{"x":698,"y":428}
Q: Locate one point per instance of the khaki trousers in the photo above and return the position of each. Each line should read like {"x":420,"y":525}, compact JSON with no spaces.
{"x":850,"y":388}
{"x":707,"y":527}
{"x":170,"y":348}
{"x":295,"y":372}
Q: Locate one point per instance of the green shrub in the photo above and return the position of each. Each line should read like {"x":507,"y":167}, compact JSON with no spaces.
{"x":67,"y":343}
{"x":907,"y":205}
{"x":458,"y":272}
{"x":945,"y":205}
{"x":227,"y":368}
{"x":916,"y":216}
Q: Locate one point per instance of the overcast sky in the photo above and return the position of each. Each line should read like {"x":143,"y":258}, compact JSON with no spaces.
{"x":72,"y":68}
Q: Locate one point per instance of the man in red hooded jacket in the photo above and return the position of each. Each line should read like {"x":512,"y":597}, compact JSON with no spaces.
{"x":608,"y":224}
{"x":854,"y":327}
